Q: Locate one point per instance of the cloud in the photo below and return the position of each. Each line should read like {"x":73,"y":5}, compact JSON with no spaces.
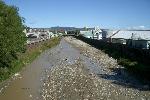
{"x":137,"y":28}
{"x":141,"y":26}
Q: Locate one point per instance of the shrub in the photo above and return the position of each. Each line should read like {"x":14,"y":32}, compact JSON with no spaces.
{"x":12,"y":38}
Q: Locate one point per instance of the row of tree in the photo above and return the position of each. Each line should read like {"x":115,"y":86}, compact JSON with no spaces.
{"x":12,"y":38}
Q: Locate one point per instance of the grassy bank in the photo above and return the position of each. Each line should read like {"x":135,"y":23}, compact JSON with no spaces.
{"x":31,"y":53}
{"x":134,"y":67}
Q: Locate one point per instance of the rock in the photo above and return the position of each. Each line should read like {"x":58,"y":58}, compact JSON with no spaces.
{"x":17,"y":74}
{"x":30,"y":96}
{"x":1,"y":90}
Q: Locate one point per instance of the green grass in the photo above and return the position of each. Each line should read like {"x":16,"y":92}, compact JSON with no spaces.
{"x":26,"y":58}
{"x":136,"y":68}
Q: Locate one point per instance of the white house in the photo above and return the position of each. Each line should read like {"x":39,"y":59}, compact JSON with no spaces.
{"x":127,"y":34}
{"x":96,"y":33}
{"x":87,"y":34}
{"x":139,"y":38}
{"x":50,"y":34}
{"x":60,"y":34}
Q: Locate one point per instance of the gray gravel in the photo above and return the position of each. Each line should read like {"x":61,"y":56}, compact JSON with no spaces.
{"x":80,"y":72}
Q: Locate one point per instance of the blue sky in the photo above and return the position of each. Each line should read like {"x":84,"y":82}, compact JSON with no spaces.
{"x":80,"y":13}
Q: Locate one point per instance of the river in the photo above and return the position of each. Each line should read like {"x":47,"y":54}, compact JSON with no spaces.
{"x":27,"y":84}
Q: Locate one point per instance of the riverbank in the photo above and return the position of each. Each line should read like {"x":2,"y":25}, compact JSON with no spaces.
{"x":136,"y":61}
{"x":30,"y":54}
{"x":80,"y":71}
{"x":74,"y":70}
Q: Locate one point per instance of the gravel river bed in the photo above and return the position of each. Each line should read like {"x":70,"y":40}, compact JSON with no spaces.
{"x":73,"y":70}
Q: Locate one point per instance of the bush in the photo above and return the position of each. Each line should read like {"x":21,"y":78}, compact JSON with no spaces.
{"x":12,"y":38}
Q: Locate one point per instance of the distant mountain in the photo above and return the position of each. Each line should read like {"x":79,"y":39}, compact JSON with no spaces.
{"x":57,"y":28}
{"x":69,"y":28}
{"x":63,"y":28}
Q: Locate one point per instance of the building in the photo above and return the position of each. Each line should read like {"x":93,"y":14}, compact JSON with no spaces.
{"x":141,"y":41}
{"x":44,"y":35}
{"x":126,"y":34}
{"x":51,"y":35}
{"x":87,"y":34}
{"x":132,"y":38}
{"x":95,"y":33}
{"x":141,"y":44}
{"x":106,"y":33}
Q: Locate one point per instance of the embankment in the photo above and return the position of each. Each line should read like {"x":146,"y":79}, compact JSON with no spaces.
{"x":134,"y":60}
{"x":32,"y":51}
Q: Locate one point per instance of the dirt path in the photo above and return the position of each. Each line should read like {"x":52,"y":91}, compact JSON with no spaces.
{"x":73,"y":71}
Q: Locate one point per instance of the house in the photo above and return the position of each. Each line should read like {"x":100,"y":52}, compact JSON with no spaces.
{"x":121,"y":36}
{"x":132,"y":38}
{"x":116,"y":37}
{"x":138,"y":40}
{"x":106,"y":33}
{"x":60,"y":34}
{"x":65,"y":33}
{"x":55,"y":35}
{"x":51,"y":35}
{"x":95,"y":33}
{"x":87,"y":34}
{"x":141,"y":44}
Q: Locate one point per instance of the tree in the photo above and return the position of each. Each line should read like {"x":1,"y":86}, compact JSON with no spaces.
{"x":12,"y":38}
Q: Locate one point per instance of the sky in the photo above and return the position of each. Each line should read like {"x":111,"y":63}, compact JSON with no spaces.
{"x":118,"y":14}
